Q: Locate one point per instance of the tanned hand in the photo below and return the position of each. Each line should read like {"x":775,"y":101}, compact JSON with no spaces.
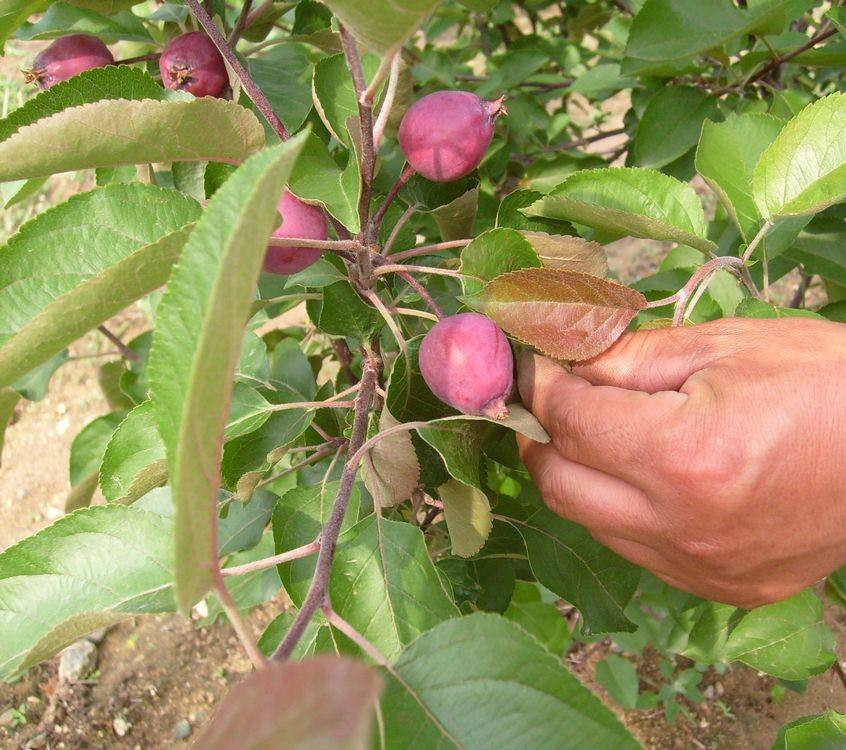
{"x":713,"y":455}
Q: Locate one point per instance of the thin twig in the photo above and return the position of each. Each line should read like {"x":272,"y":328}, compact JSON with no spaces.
{"x":329,"y":538}
{"x":344,"y":355}
{"x":269,"y":562}
{"x":839,"y":671}
{"x":374,"y":300}
{"x":314,"y":458}
{"x":141,"y":58}
{"x":253,"y":91}
{"x":410,"y":311}
{"x":240,"y":627}
{"x":824,"y":33}
{"x":388,"y":101}
{"x":311,"y":405}
{"x":798,"y":299}
{"x":123,"y":348}
{"x":431,"y":514}
{"x":404,"y":177}
{"x":436,"y":247}
{"x":365,"y":115}
{"x":397,"y":228}
{"x":421,"y":291}
{"x":336,"y":621}
{"x":588,"y":139}
{"x":747,"y":254}
{"x":402,"y":268}
{"x":240,"y":24}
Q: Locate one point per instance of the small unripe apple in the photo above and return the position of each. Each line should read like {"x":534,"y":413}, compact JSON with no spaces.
{"x":192,"y":63}
{"x":299,"y":220}
{"x":466,"y":361}
{"x":66,"y":57}
{"x":445,"y":135}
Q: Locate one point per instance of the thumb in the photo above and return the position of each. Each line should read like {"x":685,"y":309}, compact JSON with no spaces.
{"x":656,"y":360}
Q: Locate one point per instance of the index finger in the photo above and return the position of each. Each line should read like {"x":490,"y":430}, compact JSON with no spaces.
{"x":608,"y":428}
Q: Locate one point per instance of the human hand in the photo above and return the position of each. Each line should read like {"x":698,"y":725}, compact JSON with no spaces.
{"x":712,"y":455}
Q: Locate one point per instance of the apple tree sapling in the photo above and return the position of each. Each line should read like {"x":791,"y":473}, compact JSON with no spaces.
{"x":66,"y":57}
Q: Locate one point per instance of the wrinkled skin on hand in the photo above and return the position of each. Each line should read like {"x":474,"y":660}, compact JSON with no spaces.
{"x":445,"y":135}
{"x":192,"y":63}
{"x":712,"y":455}
{"x":299,"y":219}
{"x":466,"y":361}
{"x":68,"y":56}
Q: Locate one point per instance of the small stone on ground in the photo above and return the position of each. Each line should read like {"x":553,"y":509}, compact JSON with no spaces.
{"x":77,"y":661}
{"x":181,"y":729}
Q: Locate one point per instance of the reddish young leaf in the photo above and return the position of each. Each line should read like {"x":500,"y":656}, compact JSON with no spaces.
{"x":564,"y":314}
{"x":568,"y":253}
{"x":326,"y":701}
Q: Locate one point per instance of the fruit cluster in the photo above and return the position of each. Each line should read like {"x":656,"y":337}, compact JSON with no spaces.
{"x":465,"y":359}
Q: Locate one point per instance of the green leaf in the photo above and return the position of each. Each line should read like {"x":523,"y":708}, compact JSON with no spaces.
{"x":619,"y":677}
{"x":804,"y":170}
{"x":384,"y":584}
{"x":322,"y":702}
{"x":318,"y":636}
{"x":200,"y":326}
{"x":455,"y":219}
{"x":837,"y":16}
{"x":316,"y":177}
{"x":382,"y":25}
{"x":334,"y":95}
{"x":134,"y":456}
{"x":788,"y":639}
{"x":94,"y":567}
{"x":15,"y":12}
{"x":540,"y":619}
{"x":566,"y":559}
{"x":756,"y":308}
{"x":115,"y":132}
{"x":62,"y":18}
{"x":821,"y":254}
{"x":243,"y":526}
{"x":345,"y":313}
{"x":112,"y":82}
{"x":76,"y":265}
{"x":468,"y":517}
{"x":283,"y":73}
{"x":680,"y":29}
{"x":726,"y":159}
{"x":33,"y":385}
{"x":89,"y":445}
{"x":493,"y":253}
{"x":706,"y":641}
{"x":671,"y":124}
{"x":824,"y":732}
{"x":629,"y":201}
{"x":8,"y":400}
{"x":482,"y":683}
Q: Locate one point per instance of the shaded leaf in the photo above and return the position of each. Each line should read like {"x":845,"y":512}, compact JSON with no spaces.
{"x":619,"y":677}
{"x":539,"y":618}
{"x":494,"y":253}
{"x":824,"y":732}
{"x":87,"y":448}
{"x":679,"y":29}
{"x":564,"y":314}
{"x":671,"y":124}
{"x":382,"y":25}
{"x":8,"y":400}
{"x":63,"y":18}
